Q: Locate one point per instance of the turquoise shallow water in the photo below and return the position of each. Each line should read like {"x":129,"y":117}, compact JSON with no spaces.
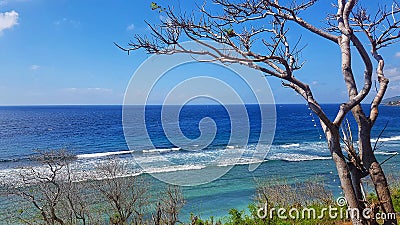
{"x":94,"y":132}
{"x":237,"y":188}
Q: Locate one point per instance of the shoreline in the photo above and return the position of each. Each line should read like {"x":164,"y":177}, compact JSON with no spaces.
{"x":218,"y":197}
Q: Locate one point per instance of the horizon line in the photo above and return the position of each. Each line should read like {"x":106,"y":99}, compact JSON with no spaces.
{"x":27,"y":105}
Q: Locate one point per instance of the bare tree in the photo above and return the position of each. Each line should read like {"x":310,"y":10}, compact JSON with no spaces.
{"x":43,"y":185}
{"x":169,"y":205}
{"x":127,"y":196}
{"x":351,"y":25}
{"x":281,"y":193}
{"x":76,"y":205}
{"x":57,"y":194}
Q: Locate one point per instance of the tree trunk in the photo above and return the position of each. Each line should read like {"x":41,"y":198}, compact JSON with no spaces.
{"x":369,"y":161}
{"x":356,"y":176}
{"x":333,"y":138}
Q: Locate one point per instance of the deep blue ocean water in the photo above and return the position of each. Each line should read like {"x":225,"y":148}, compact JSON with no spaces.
{"x":94,"y":132}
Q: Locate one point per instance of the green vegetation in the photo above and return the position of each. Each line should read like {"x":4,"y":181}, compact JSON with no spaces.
{"x":396,"y":199}
{"x":237,"y":217}
{"x":50,"y":196}
{"x":302,"y":203}
{"x":55,"y":193}
{"x":311,"y":195}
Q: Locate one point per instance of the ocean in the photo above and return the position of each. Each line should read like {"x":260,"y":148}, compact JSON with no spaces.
{"x":298,"y":152}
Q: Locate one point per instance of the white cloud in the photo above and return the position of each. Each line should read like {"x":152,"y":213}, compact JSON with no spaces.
{"x":164,"y":19}
{"x":395,"y":87}
{"x":67,"y":21}
{"x":8,"y":20}
{"x":87,"y":90}
{"x":130,"y":27}
{"x":314,"y":82}
{"x":35,"y":67}
{"x":6,"y":2}
{"x":99,"y":89}
{"x":397,"y":54}
{"x":59,"y":22}
{"x":394,"y":77}
{"x":393,"y":73}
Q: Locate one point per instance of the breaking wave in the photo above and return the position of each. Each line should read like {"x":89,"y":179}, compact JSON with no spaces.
{"x":183,"y":160}
{"x":103,"y":154}
{"x":394,"y":138}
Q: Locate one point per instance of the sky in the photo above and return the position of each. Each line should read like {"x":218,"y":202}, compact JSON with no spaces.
{"x":62,"y":52}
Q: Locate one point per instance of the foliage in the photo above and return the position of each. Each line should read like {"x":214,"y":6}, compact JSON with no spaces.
{"x":155,"y":6}
{"x":396,"y":199}
{"x":373,"y":200}
{"x":168,"y":206}
{"x":52,"y":193}
{"x":310,"y":194}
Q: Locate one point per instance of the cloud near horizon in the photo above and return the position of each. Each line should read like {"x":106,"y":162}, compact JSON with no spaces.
{"x":95,"y":90}
{"x":393,"y":73}
{"x":394,"y":77}
{"x":35,"y":67}
{"x":8,"y":20}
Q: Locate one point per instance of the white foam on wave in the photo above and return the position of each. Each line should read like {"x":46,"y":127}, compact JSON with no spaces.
{"x":290,"y":145}
{"x":385,"y":153}
{"x":103,"y":177}
{"x":196,"y":160}
{"x":240,"y":161}
{"x":297,"y":157}
{"x":161,"y":150}
{"x":103,"y":154}
{"x":147,"y":159}
{"x":174,"y":168}
{"x":394,"y":138}
{"x":157,"y":150}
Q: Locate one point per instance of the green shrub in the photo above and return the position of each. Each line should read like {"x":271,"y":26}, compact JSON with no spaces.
{"x":396,"y":199}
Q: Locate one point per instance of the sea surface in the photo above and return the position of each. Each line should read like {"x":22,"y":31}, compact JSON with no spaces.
{"x":94,"y":133}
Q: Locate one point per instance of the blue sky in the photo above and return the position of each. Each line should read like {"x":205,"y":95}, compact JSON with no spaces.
{"x":62,"y":52}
